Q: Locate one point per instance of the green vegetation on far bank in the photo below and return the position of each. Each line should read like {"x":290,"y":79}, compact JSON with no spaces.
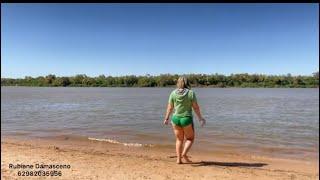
{"x":163,"y":80}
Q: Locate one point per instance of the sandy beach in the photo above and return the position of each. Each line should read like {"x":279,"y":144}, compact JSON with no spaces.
{"x":83,"y":159}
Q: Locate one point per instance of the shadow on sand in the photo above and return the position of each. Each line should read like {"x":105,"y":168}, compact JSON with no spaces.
{"x":228,"y":164}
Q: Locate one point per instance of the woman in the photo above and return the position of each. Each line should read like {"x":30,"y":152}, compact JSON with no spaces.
{"x":183,"y":100}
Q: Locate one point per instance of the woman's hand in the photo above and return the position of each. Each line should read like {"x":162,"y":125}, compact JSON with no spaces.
{"x":202,"y":122}
{"x":196,"y":109}
{"x":169,"y":111}
{"x":166,"y":121}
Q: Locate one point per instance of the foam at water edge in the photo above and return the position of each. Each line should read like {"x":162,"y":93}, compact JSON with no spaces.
{"x":125,"y":144}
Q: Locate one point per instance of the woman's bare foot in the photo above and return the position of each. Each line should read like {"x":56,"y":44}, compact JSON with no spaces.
{"x":179,"y":161}
{"x":185,"y":157}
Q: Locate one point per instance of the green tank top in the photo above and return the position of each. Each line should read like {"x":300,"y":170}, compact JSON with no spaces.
{"x":182,"y":100}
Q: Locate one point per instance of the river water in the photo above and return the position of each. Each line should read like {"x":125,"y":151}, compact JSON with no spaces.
{"x":280,"y":122}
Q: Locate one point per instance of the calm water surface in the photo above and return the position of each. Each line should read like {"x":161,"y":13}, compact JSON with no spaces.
{"x":275,"y":121}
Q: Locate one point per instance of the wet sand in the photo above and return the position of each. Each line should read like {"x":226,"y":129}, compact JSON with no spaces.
{"x":102,"y":160}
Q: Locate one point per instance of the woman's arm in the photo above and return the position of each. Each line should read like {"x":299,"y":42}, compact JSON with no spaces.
{"x":196,"y":109}
{"x":169,"y":111}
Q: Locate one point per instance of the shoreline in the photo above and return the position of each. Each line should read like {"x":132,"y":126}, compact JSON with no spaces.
{"x":202,"y":146}
{"x":97,"y":159}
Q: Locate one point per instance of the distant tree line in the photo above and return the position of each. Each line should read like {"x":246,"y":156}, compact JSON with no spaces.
{"x":164,"y":80}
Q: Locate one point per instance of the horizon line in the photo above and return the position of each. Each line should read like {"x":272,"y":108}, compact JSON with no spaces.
{"x":173,"y":74}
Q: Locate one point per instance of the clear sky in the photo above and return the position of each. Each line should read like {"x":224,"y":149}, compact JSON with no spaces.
{"x":126,"y":39}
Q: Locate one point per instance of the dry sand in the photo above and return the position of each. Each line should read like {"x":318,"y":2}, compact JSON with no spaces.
{"x":101,"y":160}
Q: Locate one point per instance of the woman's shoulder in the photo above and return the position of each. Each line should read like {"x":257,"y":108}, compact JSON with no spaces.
{"x":173,"y":92}
{"x":191,"y":91}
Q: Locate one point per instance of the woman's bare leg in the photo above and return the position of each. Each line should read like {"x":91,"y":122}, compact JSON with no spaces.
{"x":189,"y":133}
{"x":178,"y":131}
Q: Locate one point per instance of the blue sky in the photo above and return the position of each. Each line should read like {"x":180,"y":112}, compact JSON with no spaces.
{"x":139,"y":39}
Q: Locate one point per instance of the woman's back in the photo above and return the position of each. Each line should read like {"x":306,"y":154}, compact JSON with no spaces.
{"x":182,"y":100}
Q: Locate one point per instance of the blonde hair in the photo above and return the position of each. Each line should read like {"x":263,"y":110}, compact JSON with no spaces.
{"x":183,"y":82}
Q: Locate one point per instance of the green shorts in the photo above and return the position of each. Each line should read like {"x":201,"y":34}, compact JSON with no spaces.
{"x":182,"y":121}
